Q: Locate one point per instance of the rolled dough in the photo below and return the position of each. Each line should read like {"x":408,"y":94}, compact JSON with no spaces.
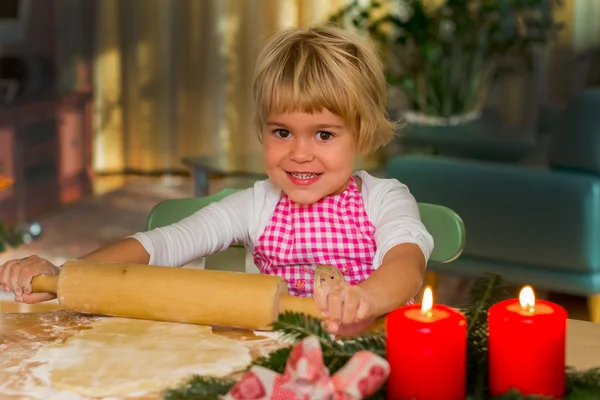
{"x":120,"y":357}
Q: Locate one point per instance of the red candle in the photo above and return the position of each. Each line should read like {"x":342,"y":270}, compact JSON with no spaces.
{"x":527,"y":346}
{"x":426,"y":350}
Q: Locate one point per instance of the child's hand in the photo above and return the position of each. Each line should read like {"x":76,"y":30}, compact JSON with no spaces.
{"x":345,"y":307}
{"x":16,"y":277}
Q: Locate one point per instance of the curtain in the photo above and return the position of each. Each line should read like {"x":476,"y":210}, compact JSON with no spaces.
{"x":173,"y":77}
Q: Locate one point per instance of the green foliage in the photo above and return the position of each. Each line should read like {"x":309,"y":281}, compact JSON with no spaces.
{"x":275,"y":361}
{"x":336,"y":353}
{"x":200,"y":388}
{"x":483,"y":294}
{"x":9,"y":237}
{"x":582,"y":382}
{"x":444,"y":59}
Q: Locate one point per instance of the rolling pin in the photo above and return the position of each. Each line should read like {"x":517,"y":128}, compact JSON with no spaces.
{"x":217,"y":298}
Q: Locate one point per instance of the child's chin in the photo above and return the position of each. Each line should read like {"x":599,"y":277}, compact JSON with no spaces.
{"x":303,"y":197}
{"x":305,"y":200}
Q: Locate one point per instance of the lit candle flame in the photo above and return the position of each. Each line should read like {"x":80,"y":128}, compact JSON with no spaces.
{"x":427,"y":303}
{"x":527,"y":299}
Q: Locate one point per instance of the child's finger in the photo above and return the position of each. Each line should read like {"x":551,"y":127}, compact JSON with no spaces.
{"x":331,"y":327}
{"x":352,"y":329}
{"x":22,"y":279}
{"x":321,"y":296}
{"x":362,"y":313}
{"x":350,"y":307}
{"x":35,"y":298}
{"x":335,"y":302}
{"x":6,"y":276}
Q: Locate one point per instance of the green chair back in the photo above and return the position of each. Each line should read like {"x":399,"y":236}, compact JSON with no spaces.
{"x":447,"y":229}
{"x":173,"y":210}
{"x":443,"y":224}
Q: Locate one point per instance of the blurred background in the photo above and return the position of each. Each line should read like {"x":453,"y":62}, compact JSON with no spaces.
{"x":108,"y":107}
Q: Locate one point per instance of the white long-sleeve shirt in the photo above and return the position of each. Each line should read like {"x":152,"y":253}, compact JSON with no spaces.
{"x":243,"y":216}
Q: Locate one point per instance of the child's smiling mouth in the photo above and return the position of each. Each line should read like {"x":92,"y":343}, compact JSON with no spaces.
{"x":303,"y":178}
{"x":304,"y":175}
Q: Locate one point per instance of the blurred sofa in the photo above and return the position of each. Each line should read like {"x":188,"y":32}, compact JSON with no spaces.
{"x":532,"y":225}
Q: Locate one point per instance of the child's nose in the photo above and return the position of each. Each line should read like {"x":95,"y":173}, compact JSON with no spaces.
{"x":301,"y":150}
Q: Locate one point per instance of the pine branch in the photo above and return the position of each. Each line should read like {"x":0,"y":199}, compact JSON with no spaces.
{"x":583,"y":394}
{"x":343,"y":350}
{"x":379,"y":395}
{"x":588,"y":381}
{"x":581,"y":385}
{"x":200,"y":388}
{"x":297,"y":326}
{"x":515,"y":395}
{"x":375,"y":343}
{"x":275,"y":361}
{"x":484,"y":293}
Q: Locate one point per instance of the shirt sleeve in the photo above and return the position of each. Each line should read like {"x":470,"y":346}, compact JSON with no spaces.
{"x":212,"y":229}
{"x":395,"y":215}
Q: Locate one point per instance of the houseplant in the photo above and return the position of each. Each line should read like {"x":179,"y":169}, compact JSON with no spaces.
{"x":445,"y":54}
{"x":8,"y":237}
{"x":13,"y":237}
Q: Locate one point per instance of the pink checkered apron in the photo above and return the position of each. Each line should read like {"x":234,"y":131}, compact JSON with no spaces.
{"x":334,"y":231}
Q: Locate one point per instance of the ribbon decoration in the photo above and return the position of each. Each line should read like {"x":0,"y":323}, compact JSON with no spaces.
{"x":306,"y":377}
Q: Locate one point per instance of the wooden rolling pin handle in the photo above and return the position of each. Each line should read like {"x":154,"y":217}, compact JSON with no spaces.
{"x":304,"y":305}
{"x":44,"y":283}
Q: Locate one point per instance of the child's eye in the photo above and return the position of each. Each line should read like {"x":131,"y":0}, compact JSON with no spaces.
{"x":282,"y":133}
{"x":324,"y":136}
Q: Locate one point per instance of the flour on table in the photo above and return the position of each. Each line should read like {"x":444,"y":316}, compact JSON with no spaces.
{"x":279,"y":337}
{"x":121,"y":357}
{"x":273,"y":335}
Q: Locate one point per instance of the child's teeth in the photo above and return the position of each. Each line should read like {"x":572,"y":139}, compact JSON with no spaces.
{"x":304,"y":176}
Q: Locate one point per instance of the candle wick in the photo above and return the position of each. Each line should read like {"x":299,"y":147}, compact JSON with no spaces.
{"x":529,"y":308}
{"x":427,"y":313}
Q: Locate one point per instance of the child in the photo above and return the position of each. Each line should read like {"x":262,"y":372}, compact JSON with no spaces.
{"x":320,"y":101}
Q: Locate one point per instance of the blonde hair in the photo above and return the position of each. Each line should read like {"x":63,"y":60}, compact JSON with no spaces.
{"x":324,"y":67}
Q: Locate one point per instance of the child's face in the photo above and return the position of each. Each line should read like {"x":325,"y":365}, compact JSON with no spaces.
{"x":309,"y":156}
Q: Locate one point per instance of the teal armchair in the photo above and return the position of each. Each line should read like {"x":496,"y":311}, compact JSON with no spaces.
{"x":538,"y":226}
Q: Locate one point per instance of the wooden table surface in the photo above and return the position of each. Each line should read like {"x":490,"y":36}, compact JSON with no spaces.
{"x":22,"y":334}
